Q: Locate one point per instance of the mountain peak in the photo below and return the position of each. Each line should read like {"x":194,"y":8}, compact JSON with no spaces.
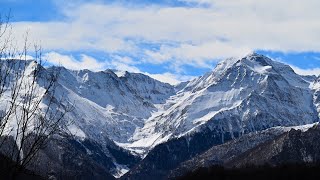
{"x":251,"y":60}
{"x":259,"y":58}
{"x":252,"y":57}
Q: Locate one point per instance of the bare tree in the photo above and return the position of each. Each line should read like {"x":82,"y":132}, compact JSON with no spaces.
{"x":30,"y":110}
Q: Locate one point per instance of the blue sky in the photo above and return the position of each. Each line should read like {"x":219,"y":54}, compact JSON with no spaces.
{"x":170,"y":40}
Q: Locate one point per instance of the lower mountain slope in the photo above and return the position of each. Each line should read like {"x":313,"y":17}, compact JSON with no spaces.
{"x":291,"y":155}
{"x":292,"y":147}
{"x":222,"y":154}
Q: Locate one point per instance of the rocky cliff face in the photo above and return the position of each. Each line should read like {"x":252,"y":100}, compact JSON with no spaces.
{"x":120,"y":117}
{"x":240,"y":96}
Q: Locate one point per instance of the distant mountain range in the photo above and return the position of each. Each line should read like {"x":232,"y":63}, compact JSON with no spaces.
{"x":251,"y":110}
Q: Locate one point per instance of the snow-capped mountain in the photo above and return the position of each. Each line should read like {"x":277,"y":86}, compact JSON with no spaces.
{"x":238,"y":96}
{"x":108,"y":105}
{"x":107,"y":109}
{"x":120,"y":118}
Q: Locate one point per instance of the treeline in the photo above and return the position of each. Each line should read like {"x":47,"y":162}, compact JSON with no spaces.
{"x":7,"y":171}
{"x":265,"y":172}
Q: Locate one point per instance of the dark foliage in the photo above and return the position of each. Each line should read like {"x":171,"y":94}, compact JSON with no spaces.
{"x":265,"y":172}
{"x":8,"y":172}
{"x":169,"y":155}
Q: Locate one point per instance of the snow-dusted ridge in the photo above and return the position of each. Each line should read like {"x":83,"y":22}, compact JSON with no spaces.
{"x":137,"y":112}
{"x":109,"y":105}
{"x":240,"y":95}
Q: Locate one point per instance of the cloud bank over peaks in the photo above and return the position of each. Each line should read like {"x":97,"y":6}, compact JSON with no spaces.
{"x":117,"y":63}
{"x":175,"y":35}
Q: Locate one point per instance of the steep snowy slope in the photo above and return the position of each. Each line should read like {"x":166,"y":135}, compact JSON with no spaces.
{"x":110,"y":106}
{"x":147,"y":88}
{"x":18,"y":89}
{"x":239,"y":96}
{"x":107,"y":109}
{"x":119,"y":111}
{"x":315,"y":86}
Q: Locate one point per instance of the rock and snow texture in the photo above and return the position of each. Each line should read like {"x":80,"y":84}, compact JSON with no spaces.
{"x":240,"y":95}
{"x":315,"y":86}
{"x":18,"y":89}
{"x":138,"y":113}
{"x":109,"y":106}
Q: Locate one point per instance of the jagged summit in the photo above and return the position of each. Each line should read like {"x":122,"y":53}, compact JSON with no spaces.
{"x":257,"y":62}
{"x":232,"y":69}
{"x":139,"y":112}
{"x":135,"y":112}
{"x":239,"y":96}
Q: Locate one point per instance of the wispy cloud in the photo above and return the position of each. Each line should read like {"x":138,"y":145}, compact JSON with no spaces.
{"x":170,"y":78}
{"x":196,"y":55}
{"x":310,"y":71}
{"x":117,"y":63}
{"x":197,"y":35}
{"x":70,"y":62}
{"x":227,"y":28}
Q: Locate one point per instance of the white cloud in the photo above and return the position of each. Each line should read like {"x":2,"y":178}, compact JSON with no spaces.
{"x":195,"y":36}
{"x":123,"y":63}
{"x":128,"y":64}
{"x":22,"y":57}
{"x":85,"y":62}
{"x":124,"y":67}
{"x":165,"y":77}
{"x":170,"y":78}
{"x":117,"y":63}
{"x":298,"y":70}
{"x":224,"y":29}
{"x":312,"y":71}
{"x":196,"y":55}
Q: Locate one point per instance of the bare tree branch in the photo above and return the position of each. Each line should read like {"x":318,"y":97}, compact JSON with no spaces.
{"x":29,"y":110}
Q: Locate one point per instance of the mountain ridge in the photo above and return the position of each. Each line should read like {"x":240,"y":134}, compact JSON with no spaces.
{"x":240,"y":96}
{"x":123,"y":116}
